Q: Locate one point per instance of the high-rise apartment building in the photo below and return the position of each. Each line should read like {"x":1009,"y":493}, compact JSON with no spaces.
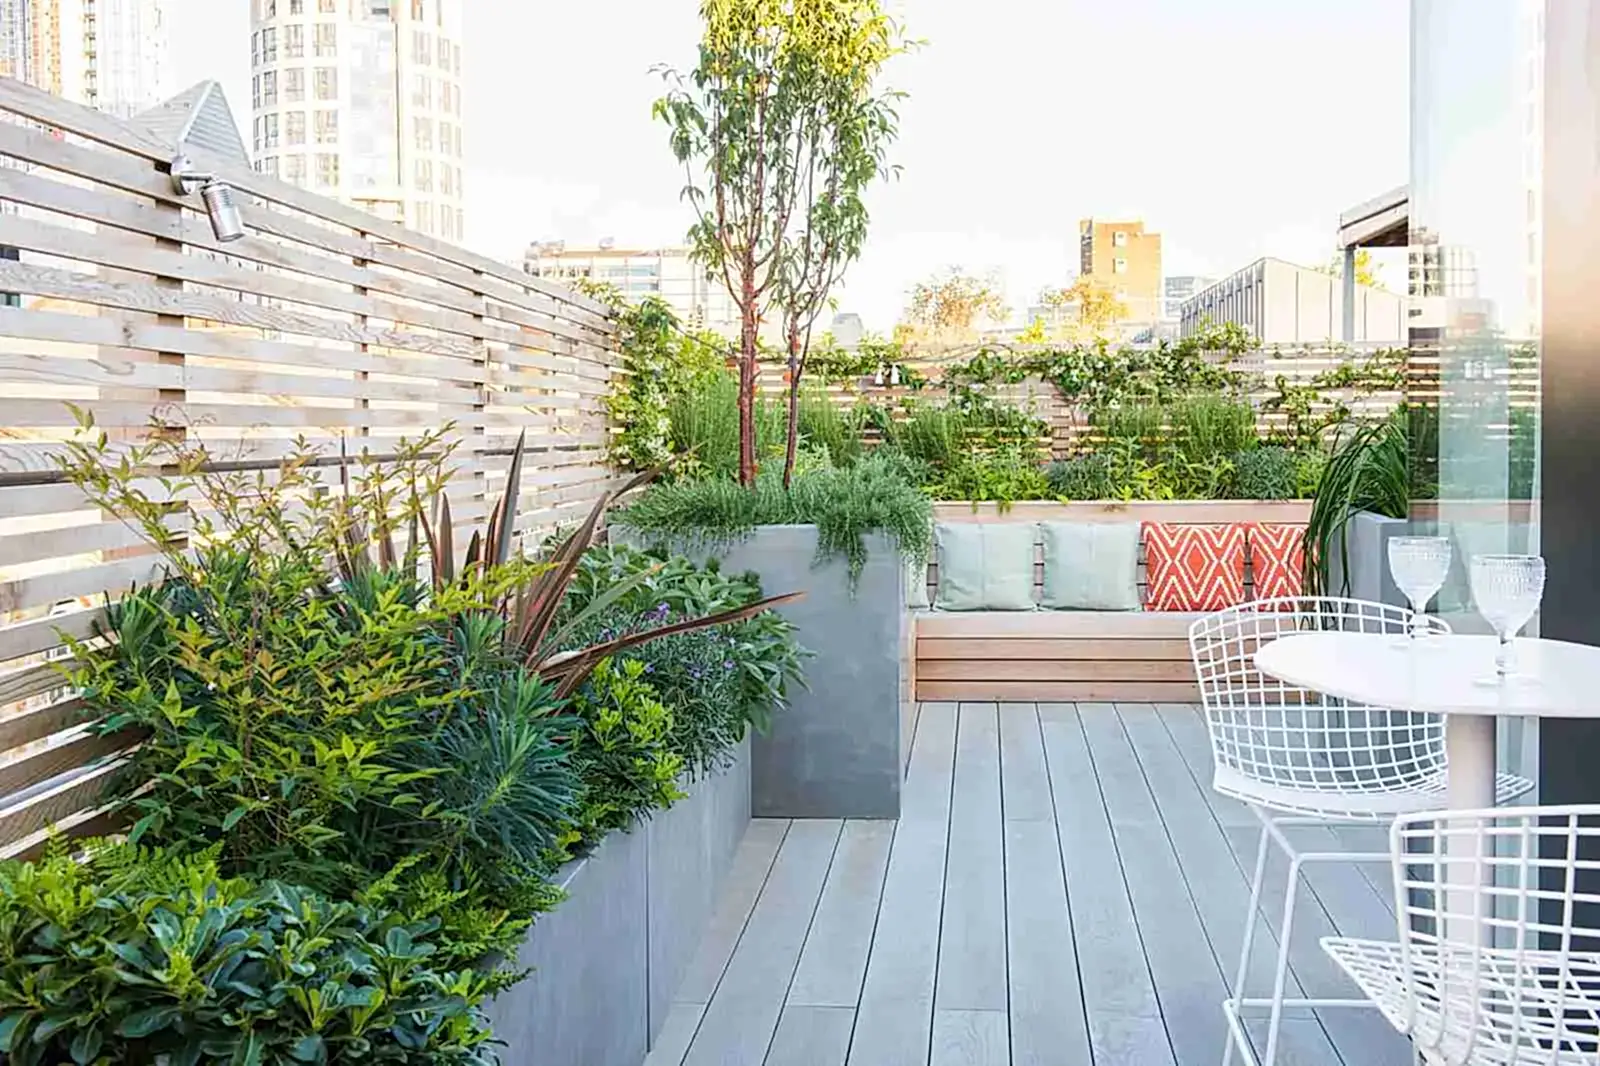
{"x":665,"y":272}
{"x":361,"y":100}
{"x":109,"y":54}
{"x":1122,"y":257}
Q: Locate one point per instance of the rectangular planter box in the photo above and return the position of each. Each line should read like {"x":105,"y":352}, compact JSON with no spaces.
{"x":835,"y":752}
{"x":608,"y":960}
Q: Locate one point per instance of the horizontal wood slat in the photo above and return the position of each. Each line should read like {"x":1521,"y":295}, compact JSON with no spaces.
{"x":322,"y":321}
{"x":1186,"y":512}
{"x":1053,"y":670}
{"x":1151,"y":649}
{"x":1060,"y":691}
{"x":1134,"y":625}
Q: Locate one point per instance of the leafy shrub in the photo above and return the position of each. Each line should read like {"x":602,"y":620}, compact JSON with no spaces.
{"x":327,"y":735}
{"x":845,"y":505}
{"x":1004,"y":474}
{"x":622,"y":748}
{"x":718,"y":682}
{"x":933,"y":436}
{"x":1268,"y":472}
{"x":1209,"y":426}
{"x":1308,"y":471}
{"x":136,"y":958}
{"x":336,"y":719}
{"x":704,"y":416}
{"x":825,"y":428}
{"x":661,"y":358}
{"x":1083,"y":477}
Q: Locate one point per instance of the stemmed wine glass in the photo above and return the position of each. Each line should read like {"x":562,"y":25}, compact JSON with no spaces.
{"x":1507,"y":590}
{"x":1419,"y":566}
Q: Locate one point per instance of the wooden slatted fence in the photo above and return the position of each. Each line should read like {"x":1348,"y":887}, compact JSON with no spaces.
{"x":323,"y":321}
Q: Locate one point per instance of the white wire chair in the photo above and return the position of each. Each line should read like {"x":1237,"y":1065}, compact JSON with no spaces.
{"x":1498,"y":957}
{"x":1297,"y":757}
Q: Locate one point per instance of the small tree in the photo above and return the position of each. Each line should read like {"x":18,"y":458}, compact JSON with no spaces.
{"x":779,"y":132}
{"x":1366,"y":270}
{"x":1098,"y":306}
{"x":842,"y":131}
{"x":953,"y":302}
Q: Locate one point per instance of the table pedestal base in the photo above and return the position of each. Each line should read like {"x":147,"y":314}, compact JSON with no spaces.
{"x":1469,"y":744}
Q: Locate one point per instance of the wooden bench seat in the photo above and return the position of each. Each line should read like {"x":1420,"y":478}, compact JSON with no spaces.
{"x":1135,"y":656}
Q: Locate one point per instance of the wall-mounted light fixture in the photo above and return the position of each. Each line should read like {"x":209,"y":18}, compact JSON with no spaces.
{"x":217,"y":195}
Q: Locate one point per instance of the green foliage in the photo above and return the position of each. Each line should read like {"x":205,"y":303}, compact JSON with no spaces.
{"x":826,"y":427}
{"x":1096,"y":375}
{"x":1311,"y":410}
{"x":135,"y":958}
{"x":1366,"y":471}
{"x":1003,"y":474}
{"x":1083,"y":477}
{"x":780,"y":129}
{"x":368,"y":727}
{"x":704,"y":419}
{"x":845,"y":505}
{"x":1207,"y":425}
{"x":622,"y":748}
{"x":327,"y":734}
{"x":932,"y":435}
{"x":661,"y":359}
{"x":719,"y":682}
{"x":1269,"y":472}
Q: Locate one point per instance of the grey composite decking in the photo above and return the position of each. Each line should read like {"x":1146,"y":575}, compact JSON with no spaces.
{"x":1062,"y":888}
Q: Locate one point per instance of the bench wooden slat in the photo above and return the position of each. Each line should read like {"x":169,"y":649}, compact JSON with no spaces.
{"x":1053,"y":670}
{"x":1091,"y":648}
{"x":1059,"y":691}
{"x":1039,"y":625}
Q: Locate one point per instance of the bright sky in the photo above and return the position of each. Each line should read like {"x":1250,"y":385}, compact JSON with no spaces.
{"x":1236,"y":128}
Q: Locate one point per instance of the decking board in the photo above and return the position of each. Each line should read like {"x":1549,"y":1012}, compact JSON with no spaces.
{"x":1063,"y":889}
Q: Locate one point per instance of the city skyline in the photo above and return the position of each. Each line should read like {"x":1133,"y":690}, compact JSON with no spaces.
{"x":361,"y":100}
{"x":108,"y":54}
{"x":1003,"y":144}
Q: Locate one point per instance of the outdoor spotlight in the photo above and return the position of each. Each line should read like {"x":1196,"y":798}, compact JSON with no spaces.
{"x":217,"y":195}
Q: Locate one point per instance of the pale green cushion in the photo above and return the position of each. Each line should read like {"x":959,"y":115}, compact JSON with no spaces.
{"x":985,"y":566}
{"x":1090,"y":566}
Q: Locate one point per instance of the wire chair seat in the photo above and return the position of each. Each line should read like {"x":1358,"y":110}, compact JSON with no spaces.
{"x":1497,"y":958}
{"x":1300,"y":752}
{"x":1489,"y":1010}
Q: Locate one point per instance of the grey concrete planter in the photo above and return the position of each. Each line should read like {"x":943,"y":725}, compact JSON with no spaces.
{"x":608,"y":960}
{"x":1366,"y":539}
{"x":836,"y":751}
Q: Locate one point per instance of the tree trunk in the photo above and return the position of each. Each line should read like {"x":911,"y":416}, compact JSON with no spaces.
{"x":792,"y":439}
{"x":747,"y":376}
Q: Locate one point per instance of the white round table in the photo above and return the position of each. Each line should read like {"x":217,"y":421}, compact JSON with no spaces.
{"x":1443,"y":675}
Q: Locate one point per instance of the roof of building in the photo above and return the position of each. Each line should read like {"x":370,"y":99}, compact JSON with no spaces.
{"x":198,"y":117}
{"x":1382,"y":222}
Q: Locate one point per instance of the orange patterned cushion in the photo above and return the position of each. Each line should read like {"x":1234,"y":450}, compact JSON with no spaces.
{"x":1193,"y":568}
{"x":1277,"y":553}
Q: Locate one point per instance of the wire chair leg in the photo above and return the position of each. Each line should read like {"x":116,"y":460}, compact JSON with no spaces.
{"x":1281,"y":977}
{"x":1251,"y":917}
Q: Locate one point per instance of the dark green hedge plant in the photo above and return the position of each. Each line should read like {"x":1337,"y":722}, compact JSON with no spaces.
{"x":136,"y":959}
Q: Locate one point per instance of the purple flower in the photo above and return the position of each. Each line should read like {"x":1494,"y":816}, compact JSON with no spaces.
{"x":727,"y":664}
{"x":649,"y":668}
